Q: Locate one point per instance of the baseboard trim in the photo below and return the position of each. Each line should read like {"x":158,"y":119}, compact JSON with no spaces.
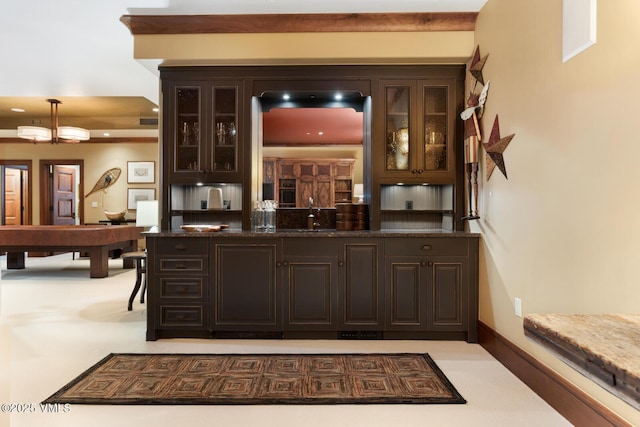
{"x":575,"y":405}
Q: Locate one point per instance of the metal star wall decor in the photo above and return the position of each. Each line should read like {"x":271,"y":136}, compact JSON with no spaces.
{"x":494,"y":149}
{"x":477,"y":64}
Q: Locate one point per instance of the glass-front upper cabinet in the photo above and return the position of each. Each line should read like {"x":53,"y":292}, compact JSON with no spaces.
{"x":187,"y":130}
{"x":204,"y":132}
{"x":224,"y":155}
{"x":419,"y":127}
{"x":435,"y":110}
{"x":398,"y":106}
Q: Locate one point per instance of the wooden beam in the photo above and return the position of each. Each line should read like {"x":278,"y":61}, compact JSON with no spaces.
{"x":134,"y":140}
{"x":299,"y":23}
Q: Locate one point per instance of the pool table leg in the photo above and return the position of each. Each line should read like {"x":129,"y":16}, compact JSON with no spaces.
{"x":99,"y":262}
{"x":15,"y":260}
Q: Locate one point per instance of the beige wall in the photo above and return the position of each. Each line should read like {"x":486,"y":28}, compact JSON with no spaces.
{"x":98,"y":158}
{"x":562,"y":233}
{"x":305,"y":48}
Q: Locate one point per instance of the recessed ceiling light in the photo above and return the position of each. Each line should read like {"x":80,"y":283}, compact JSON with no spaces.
{"x":338,"y":97}
{"x":320,"y":133}
{"x":156,"y":109}
{"x":285,"y":97}
{"x":106,"y":134}
{"x":17,"y":110}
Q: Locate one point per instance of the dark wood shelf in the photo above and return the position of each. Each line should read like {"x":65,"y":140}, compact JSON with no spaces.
{"x":427,"y":211}
{"x":215,"y":211}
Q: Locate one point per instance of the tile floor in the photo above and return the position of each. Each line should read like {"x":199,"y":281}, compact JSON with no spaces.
{"x":55,"y":322}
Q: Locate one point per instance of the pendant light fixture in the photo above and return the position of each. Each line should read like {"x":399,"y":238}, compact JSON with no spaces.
{"x":56,"y":134}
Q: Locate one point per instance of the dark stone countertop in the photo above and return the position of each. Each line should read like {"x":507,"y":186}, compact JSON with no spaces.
{"x":315,"y":233}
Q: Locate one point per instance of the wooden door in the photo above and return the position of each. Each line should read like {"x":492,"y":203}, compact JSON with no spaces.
{"x":64,"y":195}
{"x":12,"y":197}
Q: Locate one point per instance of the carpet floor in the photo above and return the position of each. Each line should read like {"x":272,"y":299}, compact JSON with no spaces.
{"x":260,"y":379}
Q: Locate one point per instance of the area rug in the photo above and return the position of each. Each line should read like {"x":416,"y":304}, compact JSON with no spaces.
{"x":260,"y":379}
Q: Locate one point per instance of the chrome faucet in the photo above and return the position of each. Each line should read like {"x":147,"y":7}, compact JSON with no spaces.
{"x":313,"y":221}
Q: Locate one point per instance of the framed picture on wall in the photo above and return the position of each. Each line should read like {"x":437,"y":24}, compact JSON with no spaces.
{"x":141,"y":172}
{"x":134,"y":195}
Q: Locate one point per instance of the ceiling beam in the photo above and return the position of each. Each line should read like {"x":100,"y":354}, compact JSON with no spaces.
{"x":105,"y":140}
{"x":300,"y":23}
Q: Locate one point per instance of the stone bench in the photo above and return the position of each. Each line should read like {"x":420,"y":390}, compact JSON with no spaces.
{"x":603,"y":347}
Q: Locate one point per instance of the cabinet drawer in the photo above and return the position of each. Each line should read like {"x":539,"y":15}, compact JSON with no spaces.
{"x":182,"y":246}
{"x":310,"y":247}
{"x":182,"y":287}
{"x":182,"y":264}
{"x":182,"y":315}
{"x":426,"y":247}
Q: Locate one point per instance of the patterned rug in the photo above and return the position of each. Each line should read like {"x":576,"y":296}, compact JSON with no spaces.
{"x":259,"y":379}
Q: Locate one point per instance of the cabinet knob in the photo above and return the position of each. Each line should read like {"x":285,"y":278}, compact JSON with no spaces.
{"x":340,"y":263}
{"x":278,"y":264}
{"x":285,"y":263}
{"x":181,"y":266}
{"x":414,"y":171}
{"x":180,"y":247}
{"x":430,"y":263}
{"x":426,"y":247}
{"x":423,"y":263}
{"x":420,"y":171}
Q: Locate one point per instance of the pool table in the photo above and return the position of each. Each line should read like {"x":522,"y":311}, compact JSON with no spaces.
{"x":97,"y":240}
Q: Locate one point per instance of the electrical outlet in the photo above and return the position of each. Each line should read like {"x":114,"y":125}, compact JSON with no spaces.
{"x":518,"y":305}
{"x":94,"y":204}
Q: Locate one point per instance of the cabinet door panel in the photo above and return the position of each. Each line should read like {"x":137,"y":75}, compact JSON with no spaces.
{"x":448,"y":295}
{"x":224,"y":145}
{"x":304,"y":191}
{"x":186,"y":132}
{"x":245,"y":282}
{"x":398,"y":127}
{"x":323,"y":194}
{"x":407,"y":301}
{"x":436,"y":127}
{"x":309,"y":298}
{"x":361,"y":289}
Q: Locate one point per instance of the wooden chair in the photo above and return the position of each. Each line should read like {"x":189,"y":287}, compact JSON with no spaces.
{"x":141,"y":269}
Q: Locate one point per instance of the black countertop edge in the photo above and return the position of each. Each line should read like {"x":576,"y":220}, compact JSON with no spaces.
{"x":315,"y":233}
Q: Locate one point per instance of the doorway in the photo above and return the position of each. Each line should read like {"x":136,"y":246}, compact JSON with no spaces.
{"x":61,"y":192}
{"x":15,"y":185}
